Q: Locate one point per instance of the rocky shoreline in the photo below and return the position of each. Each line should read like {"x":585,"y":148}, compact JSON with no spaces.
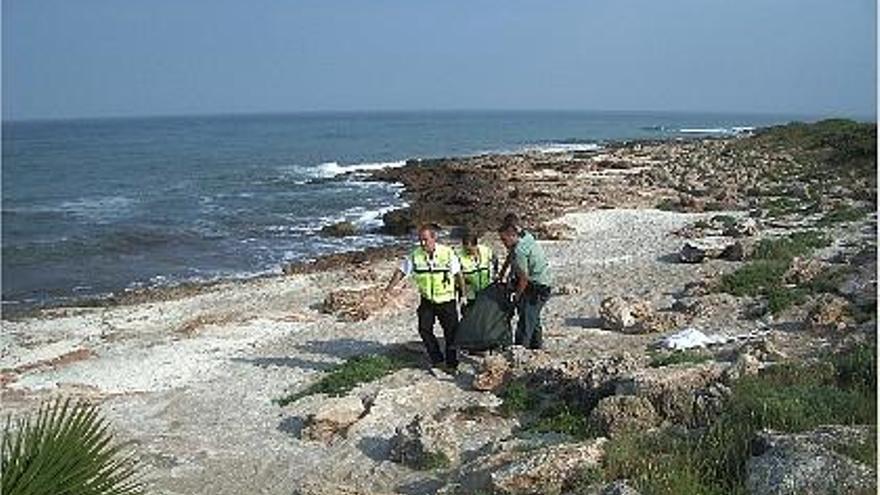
{"x":757,"y":254}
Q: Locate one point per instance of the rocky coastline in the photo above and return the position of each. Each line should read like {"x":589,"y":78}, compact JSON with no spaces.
{"x":698,"y":281}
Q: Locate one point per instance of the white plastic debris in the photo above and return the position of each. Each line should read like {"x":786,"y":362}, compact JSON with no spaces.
{"x":690,"y":338}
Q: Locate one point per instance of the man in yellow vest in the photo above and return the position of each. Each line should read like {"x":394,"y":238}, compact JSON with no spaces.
{"x":435,"y":269}
{"x":478,"y":263}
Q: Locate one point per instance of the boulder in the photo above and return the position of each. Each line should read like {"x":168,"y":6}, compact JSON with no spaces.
{"x":802,"y":270}
{"x":698,"y":250}
{"x":746,"y":364}
{"x":340,"y":229}
{"x":790,"y":464}
{"x":554,"y":232}
{"x":492,"y":374}
{"x":398,"y":222}
{"x":333,"y":417}
{"x":354,"y":304}
{"x":624,"y":315}
{"x":547,"y":470}
{"x":830,"y":313}
{"x":425,"y":443}
{"x":740,"y":250}
{"x":742,"y":227}
{"x":621,"y":413}
{"x":616,"y":314}
{"x":673,"y":390}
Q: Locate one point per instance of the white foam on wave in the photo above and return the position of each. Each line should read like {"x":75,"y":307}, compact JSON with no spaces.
{"x":563,"y":147}
{"x":333,"y":169}
{"x":718,"y":130}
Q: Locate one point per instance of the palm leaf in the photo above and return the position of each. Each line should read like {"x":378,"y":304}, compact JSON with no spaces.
{"x":67,"y":449}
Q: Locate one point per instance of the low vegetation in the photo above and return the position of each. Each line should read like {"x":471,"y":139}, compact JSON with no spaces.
{"x":344,"y":377}
{"x":659,"y":360}
{"x":764,"y":275}
{"x":839,"y":389}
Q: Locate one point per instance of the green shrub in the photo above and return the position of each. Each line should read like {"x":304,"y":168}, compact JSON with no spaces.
{"x":517,"y":397}
{"x":659,"y":463}
{"x":341,"y":379}
{"x":585,"y":479}
{"x":67,"y":449}
{"x":839,"y":389}
{"x":780,"y":298}
{"x":786,"y":248}
{"x":434,"y":460}
{"x":778,"y":207}
{"x":842,"y":214}
{"x":725,"y":220}
{"x":753,"y":278}
{"x":562,"y":418}
{"x":857,"y":368}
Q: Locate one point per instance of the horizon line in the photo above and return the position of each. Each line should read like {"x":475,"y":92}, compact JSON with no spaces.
{"x":4,"y":120}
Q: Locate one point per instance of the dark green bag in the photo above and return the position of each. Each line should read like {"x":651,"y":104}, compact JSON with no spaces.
{"x":486,"y":323}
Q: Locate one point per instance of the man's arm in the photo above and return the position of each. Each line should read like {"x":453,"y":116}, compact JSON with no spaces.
{"x":499,"y":276}
{"x":395,"y":279}
{"x":522,"y":281}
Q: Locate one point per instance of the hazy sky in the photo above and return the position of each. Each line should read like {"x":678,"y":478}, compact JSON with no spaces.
{"x":64,"y":58}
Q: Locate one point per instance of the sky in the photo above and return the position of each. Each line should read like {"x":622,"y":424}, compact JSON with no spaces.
{"x":101,"y":58}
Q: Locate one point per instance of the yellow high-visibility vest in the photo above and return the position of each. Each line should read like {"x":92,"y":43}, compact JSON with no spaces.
{"x":477,"y":271}
{"x":435,"y":281}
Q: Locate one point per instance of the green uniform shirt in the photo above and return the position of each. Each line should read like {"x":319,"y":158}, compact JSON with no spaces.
{"x":528,"y":256}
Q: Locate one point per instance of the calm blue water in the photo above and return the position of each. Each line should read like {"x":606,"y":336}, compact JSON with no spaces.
{"x":93,"y":207}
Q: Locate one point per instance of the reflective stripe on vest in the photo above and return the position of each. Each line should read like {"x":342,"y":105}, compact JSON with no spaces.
{"x":477,"y":272}
{"x":435,"y":281}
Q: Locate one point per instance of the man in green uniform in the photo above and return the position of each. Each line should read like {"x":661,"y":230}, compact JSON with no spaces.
{"x":530,"y":279}
{"x":478,"y":263}
{"x":435,"y":269}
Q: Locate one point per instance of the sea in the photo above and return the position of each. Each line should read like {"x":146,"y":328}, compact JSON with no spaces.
{"x":97,"y":207}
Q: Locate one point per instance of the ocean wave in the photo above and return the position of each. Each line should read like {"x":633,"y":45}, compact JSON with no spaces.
{"x":100,"y":209}
{"x":718,"y":130}
{"x":563,"y":147}
{"x":333,"y":169}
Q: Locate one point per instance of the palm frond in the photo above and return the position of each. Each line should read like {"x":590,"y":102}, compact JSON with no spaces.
{"x":68,"y":448}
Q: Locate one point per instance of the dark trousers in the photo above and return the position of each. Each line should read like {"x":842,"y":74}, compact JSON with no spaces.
{"x":448,"y":316}
{"x":529,"y":332}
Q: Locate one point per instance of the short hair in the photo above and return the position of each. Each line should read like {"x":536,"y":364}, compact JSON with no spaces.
{"x":511,"y":222}
{"x":469,"y":238}
{"x":433,"y":228}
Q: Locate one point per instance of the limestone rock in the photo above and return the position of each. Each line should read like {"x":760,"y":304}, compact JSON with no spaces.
{"x":425,"y":442}
{"x":340,"y":229}
{"x":742,"y":227}
{"x":554,"y":232}
{"x":746,"y":364}
{"x":546,"y":470}
{"x":354,"y":304}
{"x":802,"y":270}
{"x":698,"y":250}
{"x":619,"y":413}
{"x":624,"y":315}
{"x":789,"y":464}
{"x":615,"y":314}
{"x":333,"y":417}
{"x":672,"y":390}
{"x":829,"y":314}
{"x":739,"y":250}
{"x":492,"y":374}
